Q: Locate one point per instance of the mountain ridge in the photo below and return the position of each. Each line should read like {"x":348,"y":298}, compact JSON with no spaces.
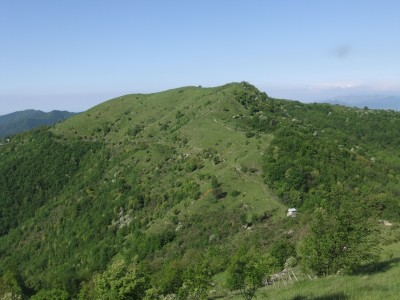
{"x":20,"y":121}
{"x":171,"y":179}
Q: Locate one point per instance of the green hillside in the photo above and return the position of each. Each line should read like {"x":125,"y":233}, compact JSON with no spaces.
{"x":381,"y":282}
{"x":153,"y":186}
{"x":29,"y":119}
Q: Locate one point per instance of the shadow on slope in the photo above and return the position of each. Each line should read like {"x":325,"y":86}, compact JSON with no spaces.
{"x":334,"y":296}
{"x":378,"y":267}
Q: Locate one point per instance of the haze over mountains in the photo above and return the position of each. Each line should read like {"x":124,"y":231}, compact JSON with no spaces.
{"x":370,"y":101}
{"x":29,"y":119}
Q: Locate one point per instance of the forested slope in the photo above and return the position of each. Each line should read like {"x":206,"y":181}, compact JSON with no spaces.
{"x":151,"y":186}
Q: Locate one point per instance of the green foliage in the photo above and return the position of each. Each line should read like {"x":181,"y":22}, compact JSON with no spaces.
{"x":235,"y":193}
{"x":318,"y":146}
{"x":218,"y":193}
{"x":196,"y":283}
{"x":11,"y":285}
{"x":120,"y":282}
{"x":250,"y":134}
{"x":179,"y":114}
{"x":214,"y":182}
{"x":140,"y":176}
{"x":380,"y":282}
{"x":250,"y":97}
{"x":34,"y":171}
{"x":193,"y":164}
{"x":51,"y":295}
{"x":87,"y":291}
{"x":281,"y":251}
{"x":245,"y":273}
{"x":341,"y":237}
{"x":170,"y":278}
{"x":11,"y":296}
{"x":135,"y":130}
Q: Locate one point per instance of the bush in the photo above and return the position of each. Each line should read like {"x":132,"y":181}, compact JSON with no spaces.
{"x":135,"y":130}
{"x":340,"y":239}
{"x":235,"y":193}
{"x":245,"y":273}
{"x":120,"y":282}
{"x":51,"y":294}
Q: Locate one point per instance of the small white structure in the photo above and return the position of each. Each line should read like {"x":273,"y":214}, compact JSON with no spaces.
{"x":387,"y":223}
{"x":291,"y":212}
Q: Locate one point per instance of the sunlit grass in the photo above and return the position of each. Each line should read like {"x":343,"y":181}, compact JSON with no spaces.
{"x":381,"y":281}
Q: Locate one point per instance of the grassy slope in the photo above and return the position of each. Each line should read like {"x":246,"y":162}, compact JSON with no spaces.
{"x":148,"y":143}
{"x":69,"y":228}
{"x":211,"y":112}
{"x":376,"y":281}
{"x":381,"y":284}
{"x":206,"y":122}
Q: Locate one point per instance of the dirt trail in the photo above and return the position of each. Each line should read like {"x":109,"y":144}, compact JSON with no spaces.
{"x":267,"y":192}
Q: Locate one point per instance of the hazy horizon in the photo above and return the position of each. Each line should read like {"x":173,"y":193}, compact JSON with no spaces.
{"x":72,"y":55}
{"x":79,"y":103}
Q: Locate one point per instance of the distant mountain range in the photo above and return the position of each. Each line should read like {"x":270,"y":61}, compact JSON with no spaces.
{"x":28,"y":119}
{"x":373,"y":102}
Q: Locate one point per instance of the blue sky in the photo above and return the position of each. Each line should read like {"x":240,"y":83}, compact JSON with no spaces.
{"x":71,"y":55}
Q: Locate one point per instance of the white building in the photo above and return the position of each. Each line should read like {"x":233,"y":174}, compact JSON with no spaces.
{"x":291,"y":212}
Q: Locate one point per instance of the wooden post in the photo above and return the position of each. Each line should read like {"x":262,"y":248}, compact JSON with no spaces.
{"x":294,"y":275}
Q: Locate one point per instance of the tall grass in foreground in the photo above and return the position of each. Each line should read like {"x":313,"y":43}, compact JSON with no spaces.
{"x":380,"y":281}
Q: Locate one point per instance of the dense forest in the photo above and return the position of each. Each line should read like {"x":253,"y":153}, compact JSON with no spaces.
{"x":156,"y":196}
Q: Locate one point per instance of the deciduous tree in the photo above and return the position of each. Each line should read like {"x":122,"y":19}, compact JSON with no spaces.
{"x":245,"y":273}
{"x":340,"y":239}
{"x":121,"y":282}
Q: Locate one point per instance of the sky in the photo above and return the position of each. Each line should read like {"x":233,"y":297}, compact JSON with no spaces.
{"x":74,"y":54}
